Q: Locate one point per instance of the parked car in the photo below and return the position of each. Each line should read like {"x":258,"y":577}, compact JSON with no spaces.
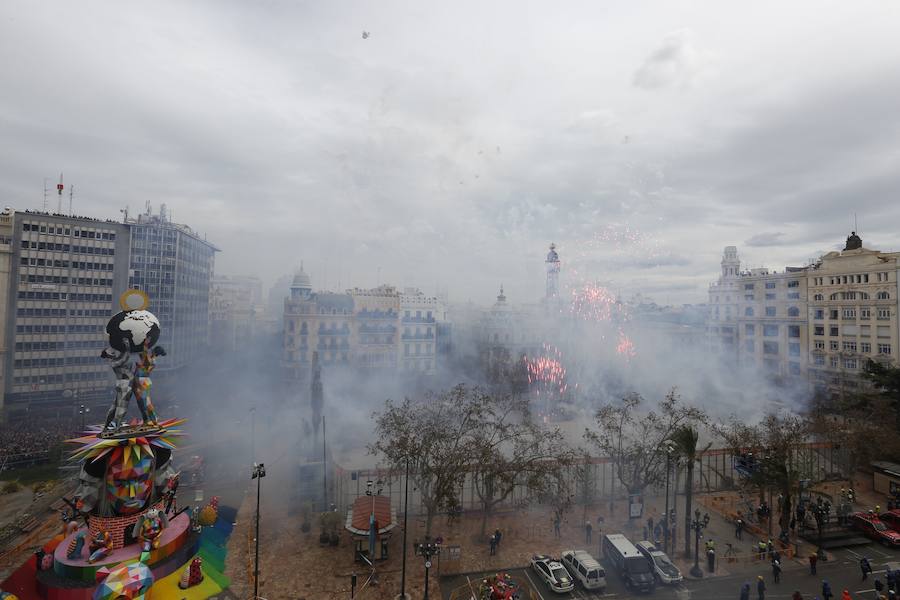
{"x":662,"y":566}
{"x":891,"y":518}
{"x":552,"y":573}
{"x":585,"y":569}
{"x":631,"y":565}
{"x":873,"y":527}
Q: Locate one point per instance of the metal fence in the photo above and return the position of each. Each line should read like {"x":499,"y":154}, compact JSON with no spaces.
{"x":592,"y":481}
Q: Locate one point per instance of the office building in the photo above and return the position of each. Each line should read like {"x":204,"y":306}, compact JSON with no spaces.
{"x":65,"y":276}
{"x":174,"y":266}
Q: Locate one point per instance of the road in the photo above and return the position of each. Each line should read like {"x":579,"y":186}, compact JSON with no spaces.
{"x":842,"y":573}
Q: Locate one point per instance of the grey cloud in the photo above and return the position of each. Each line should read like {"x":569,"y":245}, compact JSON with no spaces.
{"x":771,"y":238}
{"x":675,"y":63}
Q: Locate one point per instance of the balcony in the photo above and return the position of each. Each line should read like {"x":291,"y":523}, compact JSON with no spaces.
{"x":419,"y":336}
{"x":417,"y":320}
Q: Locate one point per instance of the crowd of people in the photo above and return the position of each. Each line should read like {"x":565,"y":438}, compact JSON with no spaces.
{"x":25,"y":443}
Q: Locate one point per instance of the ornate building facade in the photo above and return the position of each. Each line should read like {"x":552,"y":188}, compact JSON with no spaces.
{"x":817,"y":324}
{"x":853,"y":303}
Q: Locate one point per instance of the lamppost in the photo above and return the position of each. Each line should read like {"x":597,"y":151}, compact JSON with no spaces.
{"x":698,"y":525}
{"x":669,"y":449}
{"x":405,"y":514}
{"x":259,"y":471}
{"x":428,"y":549}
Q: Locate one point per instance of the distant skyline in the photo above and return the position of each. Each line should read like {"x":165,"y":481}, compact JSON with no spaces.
{"x":456,"y":141}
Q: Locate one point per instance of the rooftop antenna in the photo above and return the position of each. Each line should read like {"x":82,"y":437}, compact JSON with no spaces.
{"x":45,"y":194}
{"x":71,"y":194}
{"x":855,"y":225}
{"x":59,"y":191}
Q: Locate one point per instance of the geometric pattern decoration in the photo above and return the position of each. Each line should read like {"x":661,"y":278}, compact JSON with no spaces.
{"x":128,"y":580}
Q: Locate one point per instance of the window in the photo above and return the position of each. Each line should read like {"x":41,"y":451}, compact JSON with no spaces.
{"x":884,"y":313}
{"x":833,"y":330}
{"x":749,"y":329}
{"x":770,"y":330}
{"x":794,"y":368}
{"x":770,"y":347}
{"x":748,"y":297}
{"x":793,"y":331}
{"x":793,"y":295}
{"x":770,"y":285}
{"x":819,"y":313}
{"x":794,"y":349}
{"x":882,"y":296}
{"x":748,"y":286}
{"x":834,"y":361}
{"x":819,"y":297}
{"x":850,"y":363}
{"x":819,"y":330}
{"x":793,"y":283}
{"x":749,"y":346}
{"x":820,"y":344}
{"x":819,"y":360}
{"x":849,"y":313}
{"x":833,"y":345}
{"x":849,"y":346}
{"x":793,"y":311}
{"x":770,"y":296}
{"x":770,"y":311}
{"x":748,"y":312}
{"x":833,"y":314}
{"x":865,"y":347}
{"x":865,"y":313}
{"x":884,"y":348}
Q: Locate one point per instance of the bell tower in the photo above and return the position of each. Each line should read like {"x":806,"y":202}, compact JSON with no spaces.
{"x":731,"y":264}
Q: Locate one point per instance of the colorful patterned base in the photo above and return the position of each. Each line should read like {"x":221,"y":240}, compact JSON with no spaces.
{"x":79,"y":569}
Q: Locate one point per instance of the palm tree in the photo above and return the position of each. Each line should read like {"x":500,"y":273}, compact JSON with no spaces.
{"x":685,"y":439}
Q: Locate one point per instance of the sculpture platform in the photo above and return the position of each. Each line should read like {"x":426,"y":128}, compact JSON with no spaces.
{"x":173,"y":538}
{"x":129,"y":431}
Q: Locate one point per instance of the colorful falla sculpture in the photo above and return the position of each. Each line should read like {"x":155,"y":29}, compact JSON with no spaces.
{"x":127,"y":484}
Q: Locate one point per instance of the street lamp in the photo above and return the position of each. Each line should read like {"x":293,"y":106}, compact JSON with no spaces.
{"x":259,"y":471}
{"x":83,"y":410}
{"x":698,"y":525}
{"x":405,"y":513}
{"x":428,"y":549}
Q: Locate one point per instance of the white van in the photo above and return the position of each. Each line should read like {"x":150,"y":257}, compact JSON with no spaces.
{"x":585,"y":569}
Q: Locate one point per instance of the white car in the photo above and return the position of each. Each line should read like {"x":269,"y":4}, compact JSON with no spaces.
{"x":552,"y":573}
{"x":663,"y":569}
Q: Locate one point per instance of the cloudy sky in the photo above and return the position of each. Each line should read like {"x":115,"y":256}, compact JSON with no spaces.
{"x":460,"y":138}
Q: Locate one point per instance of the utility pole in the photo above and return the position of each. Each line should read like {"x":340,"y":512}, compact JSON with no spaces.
{"x":259,"y":471}
{"x":324,"y":467}
{"x":405,"y":514}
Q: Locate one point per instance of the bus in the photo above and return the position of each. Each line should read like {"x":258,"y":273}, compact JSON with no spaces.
{"x":631,"y":565}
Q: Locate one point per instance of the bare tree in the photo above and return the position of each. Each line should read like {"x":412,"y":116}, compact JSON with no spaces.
{"x":775,"y":441}
{"x":510,"y":451}
{"x":435,"y":435}
{"x":634,"y":439}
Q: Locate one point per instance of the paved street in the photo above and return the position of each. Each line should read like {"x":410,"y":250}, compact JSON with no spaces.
{"x":843,"y":573}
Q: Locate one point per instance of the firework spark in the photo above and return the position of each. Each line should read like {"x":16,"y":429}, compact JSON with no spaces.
{"x":546,"y":372}
{"x":625,"y":347}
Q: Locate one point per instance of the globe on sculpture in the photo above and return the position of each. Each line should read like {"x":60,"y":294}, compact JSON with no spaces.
{"x":133,"y":330}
